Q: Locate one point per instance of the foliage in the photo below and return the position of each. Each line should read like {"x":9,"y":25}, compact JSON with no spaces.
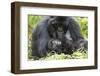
{"x":75,"y":55}
{"x":83,"y":22}
{"x":32,"y":23}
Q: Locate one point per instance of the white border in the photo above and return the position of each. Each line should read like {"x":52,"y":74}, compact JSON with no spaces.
{"x":25,"y":64}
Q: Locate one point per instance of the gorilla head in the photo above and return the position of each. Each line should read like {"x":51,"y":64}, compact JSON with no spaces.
{"x":57,"y":27}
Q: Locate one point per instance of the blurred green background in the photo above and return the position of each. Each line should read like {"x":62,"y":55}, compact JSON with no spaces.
{"x":33,"y":20}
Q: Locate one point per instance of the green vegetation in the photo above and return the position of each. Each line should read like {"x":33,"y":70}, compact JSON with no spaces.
{"x":83,"y":21}
{"x":32,"y":23}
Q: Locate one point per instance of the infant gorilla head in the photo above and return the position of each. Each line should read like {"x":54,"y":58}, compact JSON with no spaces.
{"x":57,"y":33}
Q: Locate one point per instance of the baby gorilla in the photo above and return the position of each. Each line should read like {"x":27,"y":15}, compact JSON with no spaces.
{"x":55,"y":46}
{"x":57,"y":33}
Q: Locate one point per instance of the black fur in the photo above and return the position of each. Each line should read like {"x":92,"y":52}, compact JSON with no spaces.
{"x":57,"y":33}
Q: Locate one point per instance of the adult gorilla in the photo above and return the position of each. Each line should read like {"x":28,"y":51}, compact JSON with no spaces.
{"x":57,"y":33}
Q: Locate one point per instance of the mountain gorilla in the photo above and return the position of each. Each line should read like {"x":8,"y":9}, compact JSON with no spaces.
{"x":58,"y":34}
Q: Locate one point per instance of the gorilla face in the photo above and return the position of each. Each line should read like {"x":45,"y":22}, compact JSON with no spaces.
{"x":57,"y":27}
